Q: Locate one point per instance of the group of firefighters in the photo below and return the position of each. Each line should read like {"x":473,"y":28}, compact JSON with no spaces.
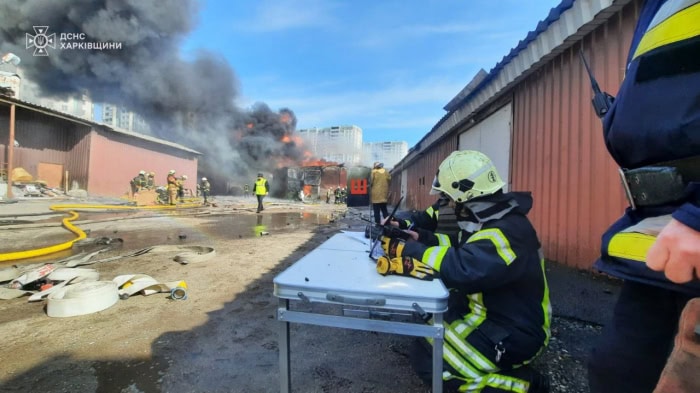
{"x":340,"y":195}
{"x":175,"y":189}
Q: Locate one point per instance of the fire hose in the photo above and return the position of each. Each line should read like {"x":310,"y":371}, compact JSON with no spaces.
{"x":71,"y":210}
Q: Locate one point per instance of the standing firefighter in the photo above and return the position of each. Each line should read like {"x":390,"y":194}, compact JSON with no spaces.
{"x":172,"y":187}
{"x":336,"y":195}
{"x":652,"y":131}
{"x":379,"y":194}
{"x":261,"y":189}
{"x":498,"y":317}
{"x":205,"y":188}
{"x":181,"y":187}
{"x":246,"y":191}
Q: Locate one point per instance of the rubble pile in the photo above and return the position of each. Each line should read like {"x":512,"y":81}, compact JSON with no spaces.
{"x":25,"y":185}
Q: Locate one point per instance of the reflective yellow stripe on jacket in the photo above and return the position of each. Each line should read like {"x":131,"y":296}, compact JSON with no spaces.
{"x":682,"y":22}
{"x":499,"y":241}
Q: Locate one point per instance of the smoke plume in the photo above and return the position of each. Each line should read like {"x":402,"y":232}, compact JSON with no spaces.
{"x":186,"y":101}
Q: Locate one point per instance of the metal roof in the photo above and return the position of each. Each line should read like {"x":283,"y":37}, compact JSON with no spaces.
{"x":93,"y":124}
{"x":566,"y":24}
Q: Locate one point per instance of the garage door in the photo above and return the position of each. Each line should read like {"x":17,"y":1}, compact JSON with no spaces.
{"x":492,"y":137}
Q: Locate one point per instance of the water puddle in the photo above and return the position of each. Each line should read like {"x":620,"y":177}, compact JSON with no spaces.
{"x":220,"y":227}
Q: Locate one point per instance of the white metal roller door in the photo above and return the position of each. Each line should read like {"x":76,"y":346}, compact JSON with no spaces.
{"x":492,"y":137}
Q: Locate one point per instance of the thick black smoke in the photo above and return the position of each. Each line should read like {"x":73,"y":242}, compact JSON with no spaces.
{"x":189,"y":102}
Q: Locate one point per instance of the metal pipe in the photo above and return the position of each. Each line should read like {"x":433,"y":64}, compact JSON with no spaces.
{"x":10,"y":151}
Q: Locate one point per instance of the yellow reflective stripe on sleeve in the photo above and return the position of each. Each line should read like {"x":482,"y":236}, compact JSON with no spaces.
{"x":476,"y":304}
{"x":429,"y":211}
{"x":630,"y":245}
{"x":433,"y":256}
{"x":443,"y":239}
{"x":682,"y":25}
{"x":499,"y":241}
{"x":546,"y":305}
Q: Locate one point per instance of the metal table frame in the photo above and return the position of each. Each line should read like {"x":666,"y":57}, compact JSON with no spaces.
{"x":384,"y":301}
{"x":287,"y":316}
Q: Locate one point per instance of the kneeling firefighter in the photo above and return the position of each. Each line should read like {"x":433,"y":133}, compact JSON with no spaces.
{"x":498,"y":317}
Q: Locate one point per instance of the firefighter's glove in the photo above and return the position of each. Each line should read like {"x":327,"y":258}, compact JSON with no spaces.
{"x":393,"y":247}
{"x":405,"y":266}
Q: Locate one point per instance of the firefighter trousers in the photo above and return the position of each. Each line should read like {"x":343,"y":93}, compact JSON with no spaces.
{"x":634,"y":346}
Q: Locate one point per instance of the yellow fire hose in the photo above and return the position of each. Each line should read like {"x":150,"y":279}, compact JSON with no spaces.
{"x":66,"y":222}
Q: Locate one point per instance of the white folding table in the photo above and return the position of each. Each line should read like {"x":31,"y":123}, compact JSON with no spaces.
{"x":339,"y":271}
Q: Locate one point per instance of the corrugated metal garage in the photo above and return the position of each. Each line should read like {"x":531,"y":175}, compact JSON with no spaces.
{"x":552,"y":145}
{"x":95,"y":157}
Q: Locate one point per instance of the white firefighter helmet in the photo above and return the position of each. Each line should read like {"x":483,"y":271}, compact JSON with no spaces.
{"x":171,"y":172}
{"x":466,"y":174}
{"x":142,"y":173}
{"x":184,"y":177}
{"x":204,"y":179}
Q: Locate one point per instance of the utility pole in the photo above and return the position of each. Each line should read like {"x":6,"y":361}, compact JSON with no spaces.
{"x":10,"y":58}
{"x":10,"y":151}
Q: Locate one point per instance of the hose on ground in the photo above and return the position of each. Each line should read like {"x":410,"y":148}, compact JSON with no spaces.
{"x":71,"y":210}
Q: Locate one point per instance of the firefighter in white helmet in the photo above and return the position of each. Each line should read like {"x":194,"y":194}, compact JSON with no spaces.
{"x":181,"y":188}
{"x":138,"y":183}
{"x":172,"y":187}
{"x":205,"y":188}
{"x":499,"y":313}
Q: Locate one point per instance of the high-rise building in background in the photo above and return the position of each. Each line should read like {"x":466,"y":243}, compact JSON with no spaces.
{"x":341,"y":144}
{"x":120,"y":117}
{"x":388,"y":153}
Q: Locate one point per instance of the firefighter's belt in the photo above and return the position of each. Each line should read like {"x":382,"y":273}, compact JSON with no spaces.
{"x":660,"y":184}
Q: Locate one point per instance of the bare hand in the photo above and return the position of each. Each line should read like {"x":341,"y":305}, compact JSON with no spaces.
{"x":393,"y":223}
{"x":676,"y":252}
{"x":414,"y":235}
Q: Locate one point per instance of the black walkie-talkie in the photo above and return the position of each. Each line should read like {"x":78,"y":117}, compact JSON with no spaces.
{"x":601,"y":100}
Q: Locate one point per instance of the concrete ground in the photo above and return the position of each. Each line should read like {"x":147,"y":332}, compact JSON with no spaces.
{"x":224,"y":337}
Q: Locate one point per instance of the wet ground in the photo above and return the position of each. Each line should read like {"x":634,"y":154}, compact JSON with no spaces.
{"x":224,"y":337}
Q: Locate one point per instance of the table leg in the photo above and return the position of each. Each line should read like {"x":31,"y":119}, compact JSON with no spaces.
{"x":437,"y":353}
{"x":285,"y":375}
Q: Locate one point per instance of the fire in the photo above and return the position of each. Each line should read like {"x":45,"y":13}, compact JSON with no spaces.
{"x":321,"y":162}
{"x":286,"y":139}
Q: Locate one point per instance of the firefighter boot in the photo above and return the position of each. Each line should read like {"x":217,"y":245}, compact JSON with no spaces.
{"x":681,"y":374}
